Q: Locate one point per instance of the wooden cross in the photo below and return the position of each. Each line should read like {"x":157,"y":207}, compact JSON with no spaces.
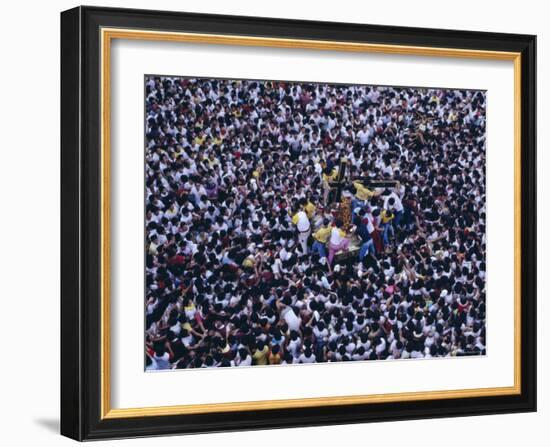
{"x":340,"y":182}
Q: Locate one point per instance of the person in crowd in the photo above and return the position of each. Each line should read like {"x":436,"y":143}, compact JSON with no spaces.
{"x":303,"y":226}
{"x":337,"y":241}
{"x":321,"y":237}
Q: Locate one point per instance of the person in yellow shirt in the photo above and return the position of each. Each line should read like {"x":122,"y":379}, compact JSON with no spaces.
{"x":274,"y":356}
{"x":303,"y":225}
{"x":260,"y":355}
{"x":310,"y":209}
{"x":362,"y":195}
{"x":217,"y":140}
{"x":249,"y":262}
{"x":328,"y":177}
{"x":386,"y":218}
{"x":257,"y":172}
{"x":320,"y":239}
{"x":200,"y":139}
{"x":212,"y":160}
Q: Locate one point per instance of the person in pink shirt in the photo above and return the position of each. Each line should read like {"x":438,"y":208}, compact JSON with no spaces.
{"x":338,"y":240}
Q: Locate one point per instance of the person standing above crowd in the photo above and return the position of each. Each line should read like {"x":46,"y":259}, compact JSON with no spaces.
{"x":303,"y":226}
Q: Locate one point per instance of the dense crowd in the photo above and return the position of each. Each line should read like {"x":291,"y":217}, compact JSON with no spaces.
{"x":249,"y":259}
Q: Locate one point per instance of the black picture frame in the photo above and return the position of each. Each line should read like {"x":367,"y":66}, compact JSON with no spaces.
{"x":81,"y":218}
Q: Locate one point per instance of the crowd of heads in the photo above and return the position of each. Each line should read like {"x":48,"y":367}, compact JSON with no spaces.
{"x":248,"y":259}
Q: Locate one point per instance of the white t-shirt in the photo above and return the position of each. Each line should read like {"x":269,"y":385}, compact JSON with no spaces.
{"x":291,"y":319}
{"x":294,"y":345}
{"x":369,"y":223}
{"x":397,"y":205}
{"x":304,"y":359}
{"x":163,"y":362}
{"x":153,"y":366}
{"x":303,"y":221}
{"x":247,"y":361}
{"x":335,"y":237}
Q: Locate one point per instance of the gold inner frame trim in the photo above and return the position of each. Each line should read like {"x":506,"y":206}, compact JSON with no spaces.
{"x":107,"y":35}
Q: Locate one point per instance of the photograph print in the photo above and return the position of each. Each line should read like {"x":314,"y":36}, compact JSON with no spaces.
{"x":296,"y":222}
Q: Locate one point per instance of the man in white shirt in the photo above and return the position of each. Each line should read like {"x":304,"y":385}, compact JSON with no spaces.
{"x":393,"y":203}
{"x":303,"y":226}
{"x":162,"y":359}
{"x":363,"y":135}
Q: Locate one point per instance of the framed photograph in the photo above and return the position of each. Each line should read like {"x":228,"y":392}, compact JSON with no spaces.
{"x":274,"y":223}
